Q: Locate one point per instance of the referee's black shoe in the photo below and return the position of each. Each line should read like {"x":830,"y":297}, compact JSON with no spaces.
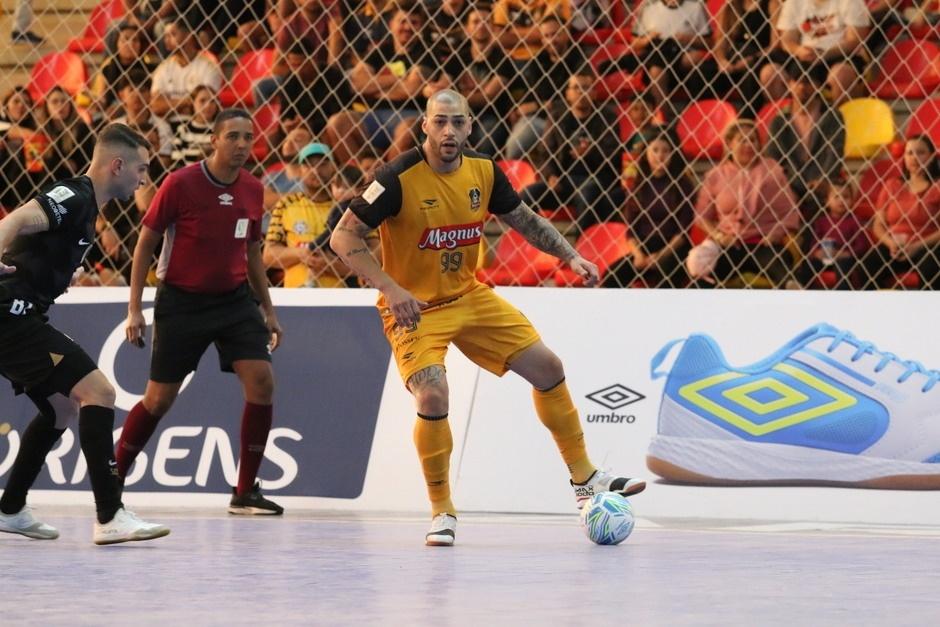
{"x":253,"y":504}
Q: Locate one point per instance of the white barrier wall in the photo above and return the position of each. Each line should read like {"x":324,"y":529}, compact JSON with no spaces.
{"x":503,"y":459}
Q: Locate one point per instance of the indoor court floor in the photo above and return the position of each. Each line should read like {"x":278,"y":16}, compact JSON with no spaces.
{"x":331,"y":568}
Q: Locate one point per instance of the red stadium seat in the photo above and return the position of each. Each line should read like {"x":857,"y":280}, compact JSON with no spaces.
{"x":701,"y":126}
{"x":92,"y":38}
{"x":766,"y":115}
{"x":266,"y":121}
{"x":251,"y":66}
{"x":925,"y":121}
{"x":65,"y":69}
{"x":517,"y":263}
{"x":602,"y":244}
{"x":618,"y":84}
{"x":520,"y":173}
{"x":870,"y":183}
{"x":908,"y":69}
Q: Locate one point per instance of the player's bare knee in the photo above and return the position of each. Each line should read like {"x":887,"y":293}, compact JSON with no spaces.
{"x":65,"y":410}
{"x":157,"y":402}
{"x":259,"y":387}
{"x":94,"y":389}
{"x":431,"y":400}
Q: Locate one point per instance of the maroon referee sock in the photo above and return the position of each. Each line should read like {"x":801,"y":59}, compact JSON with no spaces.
{"x":138,"y":428}
{"x":256,"y":423}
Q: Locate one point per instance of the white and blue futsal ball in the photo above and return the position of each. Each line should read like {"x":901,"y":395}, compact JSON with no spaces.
{"x":607,"y":518}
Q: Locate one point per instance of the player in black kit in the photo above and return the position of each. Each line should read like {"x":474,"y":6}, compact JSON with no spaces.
{"x":42,"y":243}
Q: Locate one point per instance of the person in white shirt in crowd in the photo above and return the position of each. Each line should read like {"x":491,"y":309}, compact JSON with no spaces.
{"x":186,"y":68}
{"x":827,"y":35}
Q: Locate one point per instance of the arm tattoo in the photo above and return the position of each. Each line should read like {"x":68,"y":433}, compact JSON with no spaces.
{"x":358,"y":251}
{"x":539,"y":232}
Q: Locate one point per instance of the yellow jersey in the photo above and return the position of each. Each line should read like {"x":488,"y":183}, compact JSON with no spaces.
{"x":431,"y":224}
{"x":296,"y":220}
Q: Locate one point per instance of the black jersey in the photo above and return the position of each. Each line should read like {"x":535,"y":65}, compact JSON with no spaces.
{"x":45,"y":261}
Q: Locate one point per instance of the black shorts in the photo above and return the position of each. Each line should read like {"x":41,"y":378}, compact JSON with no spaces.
{"x":185,"y":323}
{"x":37,"y":358}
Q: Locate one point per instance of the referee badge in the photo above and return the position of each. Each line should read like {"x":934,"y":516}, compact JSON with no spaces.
{"x":475,"y":199}
{"x":241,"y":228}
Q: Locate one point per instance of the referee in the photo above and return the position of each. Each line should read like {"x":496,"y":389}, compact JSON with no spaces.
{"x":210,"y":272}
{"x":42,"y":243}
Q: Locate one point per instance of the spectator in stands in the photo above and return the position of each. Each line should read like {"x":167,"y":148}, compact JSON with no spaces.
{"x":312,"y":91}
{"x":178,"y":75}
{"x":312,"y":27}
{"x":315,"y":23}
{"x":134,"y":91}
{"x":748,"y":57}
{"x":642,"y":114}
{"x":658,"y":214}
{"x":364,"y":25}
{"x":486,"y":79}
{"x":807,"y":138}
{"x":519,"y":23}
{"x":747,"y":211}
{"x":543,"y":82}
{"x":839,"y":238}
{"x":445,"y":34}
{"x":297,"y":220}
{"x":670,"y":43}
{"x":192,"y":141}
{"x":348,"y":183}
{"x":906,"y":225}
{"x":22,"y":25}
{"x":827,"y":36}
{"x":71,"y":140}
{"x":128,"y":58}
{"x":17,"y":127}
{"x":391,"y":81}
{"x":885,"y":16}
{"x":213,"y":22}
{"x":578,"y":159}
{"x":285,"y":176}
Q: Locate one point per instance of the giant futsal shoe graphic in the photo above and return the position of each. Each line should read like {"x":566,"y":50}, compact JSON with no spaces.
{"x":825,"y":409}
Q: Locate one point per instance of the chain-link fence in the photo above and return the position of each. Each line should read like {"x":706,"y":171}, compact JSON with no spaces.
{"x":738,"y":143}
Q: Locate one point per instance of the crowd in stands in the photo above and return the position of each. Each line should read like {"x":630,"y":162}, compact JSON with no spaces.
{"x":593,"y":95}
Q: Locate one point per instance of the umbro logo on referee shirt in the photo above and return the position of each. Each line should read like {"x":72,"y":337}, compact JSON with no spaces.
{"x":226,"y":199}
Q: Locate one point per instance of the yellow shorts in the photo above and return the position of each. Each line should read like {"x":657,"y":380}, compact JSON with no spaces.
{"x":481,"y":324}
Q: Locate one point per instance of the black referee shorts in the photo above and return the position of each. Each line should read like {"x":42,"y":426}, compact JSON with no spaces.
{"x":37,"y":358}
{"x":185,"y":323}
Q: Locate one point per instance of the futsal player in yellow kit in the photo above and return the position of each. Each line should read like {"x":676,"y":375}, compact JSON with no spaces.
{"x":429,"y":205}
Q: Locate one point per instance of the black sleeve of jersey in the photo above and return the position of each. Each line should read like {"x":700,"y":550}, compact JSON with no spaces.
{"x":504,"y":198}
{"x":65,"y":203}
{"x":381,"y":200}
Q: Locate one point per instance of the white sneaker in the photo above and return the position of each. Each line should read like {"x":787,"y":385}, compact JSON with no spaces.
{"x":826,"y":408}
{"x":443,"y":531}
{"x":127,"y":527}
{"x":25,"y":524}
{"x":602,"y":481}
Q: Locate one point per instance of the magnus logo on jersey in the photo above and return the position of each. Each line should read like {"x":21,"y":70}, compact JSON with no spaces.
{"x":449,"y":237}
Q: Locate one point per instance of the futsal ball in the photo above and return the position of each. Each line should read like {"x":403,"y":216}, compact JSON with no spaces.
{"x":607,"y":518}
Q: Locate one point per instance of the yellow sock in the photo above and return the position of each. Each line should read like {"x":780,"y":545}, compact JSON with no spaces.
{"x":556,"y":410}
{"x":434,"y":444}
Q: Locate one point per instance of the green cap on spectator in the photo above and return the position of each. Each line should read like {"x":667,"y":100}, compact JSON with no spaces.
{"x":316,"y":148}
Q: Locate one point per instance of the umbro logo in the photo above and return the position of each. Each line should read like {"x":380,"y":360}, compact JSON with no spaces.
{"x":226,"y":199}
{"x":615,"y":396}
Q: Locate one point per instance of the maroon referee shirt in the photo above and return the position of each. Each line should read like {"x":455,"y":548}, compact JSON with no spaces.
{"x":208,"y":226}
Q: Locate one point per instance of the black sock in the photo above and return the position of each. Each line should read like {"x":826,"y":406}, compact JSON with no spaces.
{"x":38,"y":439}
{"x":95,"y":427}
